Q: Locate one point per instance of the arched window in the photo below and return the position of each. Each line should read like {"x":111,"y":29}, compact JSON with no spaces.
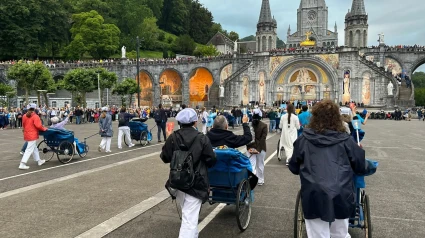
{"x":270,"y":43}
{"x":350,"y":40}
{"x":264,"y":44}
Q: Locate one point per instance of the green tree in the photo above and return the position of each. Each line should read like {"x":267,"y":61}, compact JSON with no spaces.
{"x":279,"y":43}
{"x":184,"y":45}
{"x":233,"y":36}
{"x":199,"y":20}
{"x":30,"y":77}
{"x":106,"y":80}
{"x":418,"y":79}
{"x":216,"y":27}
{"x":207,"y":50}
{"x":5,"y":89}
{"x":149,"y":32}
{"x":420,"y":96}
{"x":248,"y":38}
{"x":156,"y":7}
{"x":28,"y":30}
{"x":174,"y":17}
{"x":80,"y":82}
{"x":127,"y":88}
{"x":99,"y":39}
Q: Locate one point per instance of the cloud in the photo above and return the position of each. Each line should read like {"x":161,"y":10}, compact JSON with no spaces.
{"x":401,"y":26}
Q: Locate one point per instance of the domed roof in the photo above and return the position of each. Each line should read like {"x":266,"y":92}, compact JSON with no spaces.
{"x":348,"y":14}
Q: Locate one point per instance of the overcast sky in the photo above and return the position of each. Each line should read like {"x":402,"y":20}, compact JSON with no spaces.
{"x":401,"y":27}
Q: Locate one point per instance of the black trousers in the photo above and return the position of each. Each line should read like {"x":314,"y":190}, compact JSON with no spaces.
{"x":161,"y":126}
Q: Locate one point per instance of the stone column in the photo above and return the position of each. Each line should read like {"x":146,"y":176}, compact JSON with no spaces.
{"x":185,"y":89}
{"x":156,"y":90}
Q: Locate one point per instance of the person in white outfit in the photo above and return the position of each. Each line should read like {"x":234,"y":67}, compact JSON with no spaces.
{"x":123,"y":129}
{"x":289,"y":124}
{"x":105,"y":130}
{"x":204,"y":120}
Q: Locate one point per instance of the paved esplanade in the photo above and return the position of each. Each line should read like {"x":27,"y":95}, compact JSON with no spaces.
{"x":66,"y":201}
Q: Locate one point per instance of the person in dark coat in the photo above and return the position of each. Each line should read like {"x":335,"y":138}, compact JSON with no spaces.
{"x":326,"y":158}
{"x":204,"y":157}
{"x":257,"y":150}
{"x":219,"y":135}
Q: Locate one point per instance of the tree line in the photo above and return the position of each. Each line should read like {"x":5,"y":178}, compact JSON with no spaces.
{"x":35,"y":77}
{"x":418,"y":79}
{"x":73,"y":29}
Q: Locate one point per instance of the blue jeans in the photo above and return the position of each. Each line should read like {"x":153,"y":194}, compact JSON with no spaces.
{"x":78,"y":118}
{"x":272,"y":125}
{"x":24,"y":147}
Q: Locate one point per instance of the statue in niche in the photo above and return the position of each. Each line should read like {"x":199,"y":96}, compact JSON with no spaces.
{"x":221,"y":91}
{"x":390,"y":88}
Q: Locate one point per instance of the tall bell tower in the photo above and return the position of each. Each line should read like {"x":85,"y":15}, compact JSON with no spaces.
{"x":266,"y":36}
{"x":356,"y":25}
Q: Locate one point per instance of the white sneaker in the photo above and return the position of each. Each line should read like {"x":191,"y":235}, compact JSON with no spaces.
{"x":120,"y":148}
{"x":130,"y":145}
{"x":99,"y":149}
{"x":108,"y":151}
{"x":22,"y":153}
{"x":41,"y":162}
{"x":23,"y":166}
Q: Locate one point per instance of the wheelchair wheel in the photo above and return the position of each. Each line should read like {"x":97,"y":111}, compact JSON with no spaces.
{"x":243,"y":205}
{"x":144,"y":138}
{"x":65,"y":152}
{"x":366,"y":213}
{"x":282,"y":150}
{"x":86,"y":150}
{"x":299,"y":221}
{"x":45,"y":151}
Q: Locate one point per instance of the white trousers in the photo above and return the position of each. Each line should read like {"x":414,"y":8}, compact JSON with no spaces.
{"x":257,"y":163}
{"x":124,"y":130}
{"x":190,"y":207}
{"x":31,"y":150}
{"x":316,"y":228}
{"x":105,"y":144}
{"x":204,"y":128}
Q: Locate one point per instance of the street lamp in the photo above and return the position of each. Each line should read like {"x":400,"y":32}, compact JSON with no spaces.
{"x":138,"y":76}
{"x":160,"y":92}
{"x":8,"y":98}
{"x":98,"y":86}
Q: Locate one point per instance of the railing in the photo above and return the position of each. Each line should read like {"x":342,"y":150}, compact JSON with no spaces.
{"x":238,"y":72}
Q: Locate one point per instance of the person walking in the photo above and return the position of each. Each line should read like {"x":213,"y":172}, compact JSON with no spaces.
{"x":272,"y":117}
{"x":203,"y":157}
{"x":289,"y":124}
{"x":161,"y":122}
{"x":204,"y":120}
{"x":123,"y":127}
{"x":105,"y":130}
{"x":31,"y":124}
{"x":326,"y":158}
{"x":257,"y":149}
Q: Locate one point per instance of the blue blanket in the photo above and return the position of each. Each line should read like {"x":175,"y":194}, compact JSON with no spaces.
{"x":138,"y":126}
{"x":231,"y":160}
{"x":58,"y":135}
{"x":80,"y":146}
{"x":359,"y":178}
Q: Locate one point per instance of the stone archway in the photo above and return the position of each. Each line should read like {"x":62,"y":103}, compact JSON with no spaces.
{"x":146,"y":89}
{"x":171,"y":84}
{"x":304,"y":78}
{"x":200,"y":82}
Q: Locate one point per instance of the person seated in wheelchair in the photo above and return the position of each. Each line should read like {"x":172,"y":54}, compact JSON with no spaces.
{"x":220,"y":136}
{"x":326,"y":158}
{"x":60,"y":125}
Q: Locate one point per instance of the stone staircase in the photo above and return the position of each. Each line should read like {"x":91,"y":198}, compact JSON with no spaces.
{"x":238,"y":72}
{"x":403,"y":95}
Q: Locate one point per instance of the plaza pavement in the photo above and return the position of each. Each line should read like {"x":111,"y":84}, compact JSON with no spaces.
{"x":94,"y":196}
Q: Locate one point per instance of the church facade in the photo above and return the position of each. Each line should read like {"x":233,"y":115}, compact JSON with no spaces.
{"x":313,"y":67}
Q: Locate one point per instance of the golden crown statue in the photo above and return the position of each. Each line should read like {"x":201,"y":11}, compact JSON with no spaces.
{"x":308,"y":42}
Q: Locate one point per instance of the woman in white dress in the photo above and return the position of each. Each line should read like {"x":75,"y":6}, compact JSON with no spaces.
{"x":289,"y":124}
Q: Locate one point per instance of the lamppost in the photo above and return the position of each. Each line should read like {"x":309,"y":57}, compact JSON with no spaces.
{"x":98,"y":87}
{"x":138,"y":72}
{"x":8,"y":99}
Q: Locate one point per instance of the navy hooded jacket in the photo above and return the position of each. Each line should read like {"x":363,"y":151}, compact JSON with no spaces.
{"x":326,"y":164}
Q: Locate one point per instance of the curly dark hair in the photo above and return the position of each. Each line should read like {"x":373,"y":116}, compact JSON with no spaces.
{"x":326,"y":116}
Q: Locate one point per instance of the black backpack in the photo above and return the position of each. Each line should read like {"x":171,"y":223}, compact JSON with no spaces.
{"x":157,"y":116}
{"x":182,"y":173}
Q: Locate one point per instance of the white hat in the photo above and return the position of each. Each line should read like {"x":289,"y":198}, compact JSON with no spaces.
{"x":54,"y":120}
{"x":32,"y":106}
{"x":259,"y":112}
{"x":187,"y":116}
{"x":105,"y":109}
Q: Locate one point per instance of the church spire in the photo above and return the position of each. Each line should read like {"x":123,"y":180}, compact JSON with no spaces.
{"x":336,"y":28}
{"x":289,"y":30}
{"x":265,"y":14}
{"x":358,"y":8}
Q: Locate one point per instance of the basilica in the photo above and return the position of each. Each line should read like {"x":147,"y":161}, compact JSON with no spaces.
{"x":313,"y":65}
